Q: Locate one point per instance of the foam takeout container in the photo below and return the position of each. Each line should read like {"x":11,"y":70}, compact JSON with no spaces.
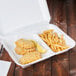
{"x":26,"y":19}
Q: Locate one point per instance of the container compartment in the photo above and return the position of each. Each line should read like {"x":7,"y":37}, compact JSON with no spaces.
{"x":31,"y":32}
{"x":59,"y":32}
{"x":9,"y":44}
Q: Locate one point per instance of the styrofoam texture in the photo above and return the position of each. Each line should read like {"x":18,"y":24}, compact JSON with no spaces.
{"x":15,"y":14}
{"x":69,"y":41}
{"x":9,"y":44}
{"x":26,"y":27}
{"x":31,"y":32}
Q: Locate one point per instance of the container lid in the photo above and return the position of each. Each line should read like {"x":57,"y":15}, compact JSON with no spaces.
{"x":15,"y":14}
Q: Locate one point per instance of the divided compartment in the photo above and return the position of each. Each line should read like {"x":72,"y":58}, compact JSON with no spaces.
{"x":31,"y":32}
{"x":27,"y":25}
{"x":59,"y":32}
{"x":9,"y":44}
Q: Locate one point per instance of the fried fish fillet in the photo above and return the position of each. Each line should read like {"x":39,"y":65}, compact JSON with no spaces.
{"x":30,"y":57}
{"x":22,"y":51}
{"x":26,"y":44}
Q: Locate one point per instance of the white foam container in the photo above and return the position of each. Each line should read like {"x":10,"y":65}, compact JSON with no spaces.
{"x":26,"y":19}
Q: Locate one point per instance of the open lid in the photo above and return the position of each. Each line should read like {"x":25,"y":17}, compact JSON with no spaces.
{"x":15,"y":14}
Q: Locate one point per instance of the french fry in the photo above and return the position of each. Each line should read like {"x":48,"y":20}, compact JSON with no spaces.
{"x":52,"y":39}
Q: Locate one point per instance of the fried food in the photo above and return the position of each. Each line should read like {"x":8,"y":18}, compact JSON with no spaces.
{"x":30,"y":50}
{"x":30,"y":57}
{"x":19,"y":51}
{"x":52,"y":39}
{"x":26,"y":44}
{"x":22,"y":51}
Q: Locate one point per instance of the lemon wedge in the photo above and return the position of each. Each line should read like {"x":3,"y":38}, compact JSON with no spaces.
{"x":40,"y":48}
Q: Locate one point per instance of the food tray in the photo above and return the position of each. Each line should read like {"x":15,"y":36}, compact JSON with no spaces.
{"x":9,"y":42}
{"x":26,"y":19}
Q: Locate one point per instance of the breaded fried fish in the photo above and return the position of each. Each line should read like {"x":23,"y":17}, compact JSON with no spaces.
{"x":26,"y":44}
{"x":22,"y":51}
